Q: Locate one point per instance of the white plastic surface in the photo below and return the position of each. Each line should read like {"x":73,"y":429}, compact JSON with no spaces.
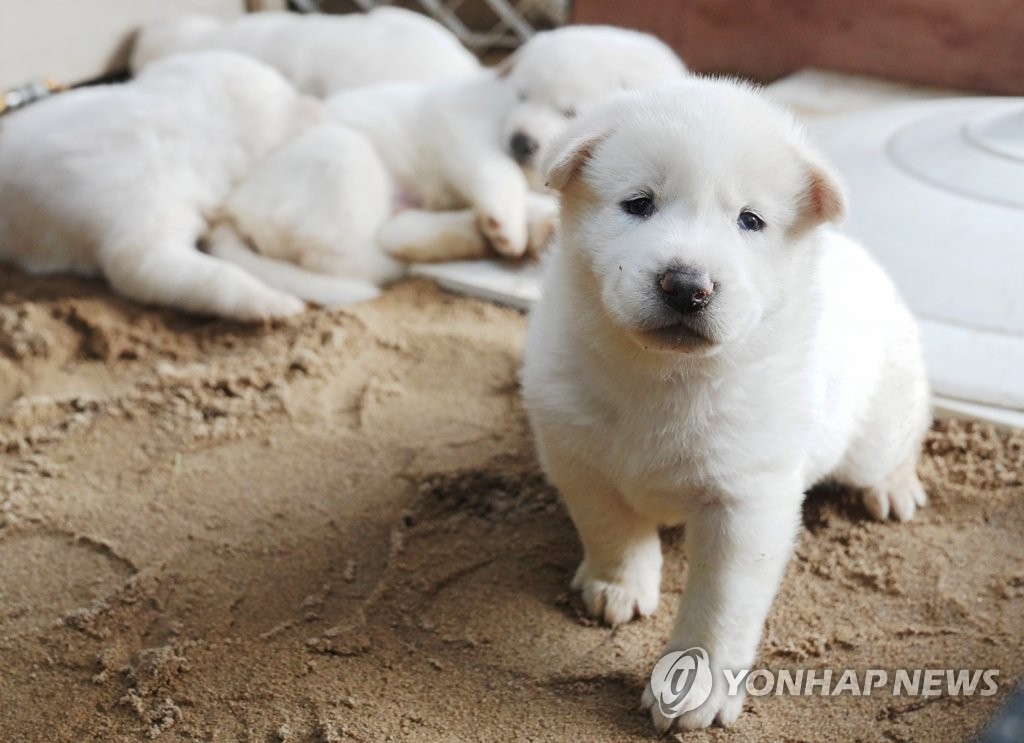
{"x":937,"y":194}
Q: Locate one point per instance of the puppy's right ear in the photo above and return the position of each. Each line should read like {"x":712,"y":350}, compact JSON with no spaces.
{"x":568,"y":157}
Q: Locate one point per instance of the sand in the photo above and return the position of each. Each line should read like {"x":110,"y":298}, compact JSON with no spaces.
{"x":334,"y":528}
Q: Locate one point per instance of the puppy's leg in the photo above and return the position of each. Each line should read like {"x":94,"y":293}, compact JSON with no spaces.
{"x":496,"y":190}
{"x":882,"y":459}
{"x":736,"y":554}
{"x":327,"y":291}
{"x":418,"y":236}
{"x":175,"y":274}
{"x":500,"y":206}
{"x":884,"y":464}
{"x":620,"y":576}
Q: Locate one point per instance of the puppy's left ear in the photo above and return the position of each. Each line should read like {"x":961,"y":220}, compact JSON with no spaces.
{"x":571,"y":151}
{"x":823,"y":198}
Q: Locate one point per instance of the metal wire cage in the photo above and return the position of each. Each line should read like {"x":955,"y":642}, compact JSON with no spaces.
{"x":482,"y":25}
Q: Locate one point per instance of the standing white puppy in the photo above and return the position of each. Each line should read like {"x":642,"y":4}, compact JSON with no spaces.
{"x":705,"y":351}
{"x":123,"y":180}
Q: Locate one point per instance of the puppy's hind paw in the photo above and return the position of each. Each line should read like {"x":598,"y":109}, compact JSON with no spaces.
{"x":270,"y":305}
{"x":898,"y":497}
{"x":618,"y":601}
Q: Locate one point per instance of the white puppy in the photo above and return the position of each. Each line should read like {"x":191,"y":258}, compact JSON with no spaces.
{"x":705,"y":351}
{"x":123,"y":180}
{"x":475,"y":130}
{"x":560,"y":75}
{"x":320,"y":54}
{"x":452,"y":187}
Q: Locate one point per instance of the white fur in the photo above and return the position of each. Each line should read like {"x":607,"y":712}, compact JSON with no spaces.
{"x":443,"y":149}
{"x":804,"y":365}
{"x":320,"y":54}
{"x":562,"y":74}
{"x":123,"y":180}
{"x":295,"y":206}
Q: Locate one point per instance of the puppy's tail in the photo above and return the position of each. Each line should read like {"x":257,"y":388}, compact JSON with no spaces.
{"x":321,"y":289}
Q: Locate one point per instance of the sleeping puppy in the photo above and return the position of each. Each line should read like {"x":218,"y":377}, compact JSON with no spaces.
{"x":705,"y":351}
{"x":560,"y":75}
{"x":320,"y":54}
{"x":123,"y":180}
{"x":552,"y":78}
{"x":453,"y":190}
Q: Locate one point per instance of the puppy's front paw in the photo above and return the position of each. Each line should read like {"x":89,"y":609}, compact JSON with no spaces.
{"x":631,"y":595}
{"x":686,"y":693}
{"x":899,"y":497}
{"x":507,"y":236}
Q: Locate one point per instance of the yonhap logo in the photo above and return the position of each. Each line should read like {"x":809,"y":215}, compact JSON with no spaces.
{"x":681,"y":681}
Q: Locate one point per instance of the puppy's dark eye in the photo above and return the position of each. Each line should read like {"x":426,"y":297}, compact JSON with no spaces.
{"x":521,"y":95}
{"x":749,"y":221}
{"x":569,"y":113}
{"x":639,"y":206}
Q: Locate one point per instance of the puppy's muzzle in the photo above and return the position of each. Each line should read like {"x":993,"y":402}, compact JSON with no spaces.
{"x":686,"y":290}
{"x":523,"y":147}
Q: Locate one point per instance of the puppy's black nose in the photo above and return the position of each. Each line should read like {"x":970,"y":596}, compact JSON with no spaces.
{"x":686,"y":290}
{"x":523,"y":147}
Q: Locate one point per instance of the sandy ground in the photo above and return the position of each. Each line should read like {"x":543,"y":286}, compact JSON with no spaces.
{"x":334,"y":528}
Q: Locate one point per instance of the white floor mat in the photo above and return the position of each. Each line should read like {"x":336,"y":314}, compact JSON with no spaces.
{"x":504,"y":283}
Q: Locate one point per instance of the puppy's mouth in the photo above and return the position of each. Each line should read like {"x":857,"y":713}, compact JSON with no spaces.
{"x":685,"y":336}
